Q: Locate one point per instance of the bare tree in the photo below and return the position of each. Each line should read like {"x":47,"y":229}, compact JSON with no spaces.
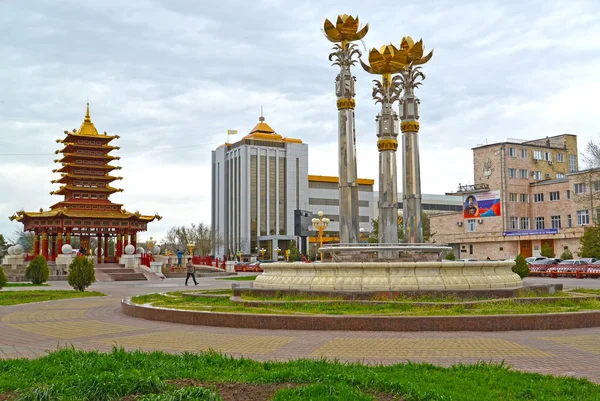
{"x":200,"y":234}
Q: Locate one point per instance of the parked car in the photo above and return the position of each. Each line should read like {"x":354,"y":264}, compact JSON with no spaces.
{"x":549,"y":261}
{"x":467,"y":260}
{"x":541,"y":267}
{"x":569,"y":265}
{"x":534,"y":259}
{"x":589,"y":260}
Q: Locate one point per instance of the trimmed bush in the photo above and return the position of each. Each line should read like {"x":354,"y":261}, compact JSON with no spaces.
{"x":547,"y":251}
{"x":81,"y":273}
{"x":566,"y":255}
{"x":450,"y":256}
{"x":521,"y":267}
{"x":37,"y":271}
{"x":2,"y":278}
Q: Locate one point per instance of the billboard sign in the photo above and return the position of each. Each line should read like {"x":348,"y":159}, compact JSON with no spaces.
{"x":530,"y":232}
{"x":484,"y":204}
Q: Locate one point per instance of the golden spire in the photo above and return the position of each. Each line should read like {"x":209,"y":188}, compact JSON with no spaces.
{"x":87,"y":113}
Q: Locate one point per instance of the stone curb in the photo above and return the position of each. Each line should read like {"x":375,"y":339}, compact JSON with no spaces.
{"x":549,"y":321}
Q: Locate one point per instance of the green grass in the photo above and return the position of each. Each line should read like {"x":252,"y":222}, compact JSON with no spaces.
{"x":26,"y":297}
{"x":240,"y":278}
{"x":26,"y":285}
{"x":178,"y":300}
{"x":587,"y":291}
{"x":70,"y":375}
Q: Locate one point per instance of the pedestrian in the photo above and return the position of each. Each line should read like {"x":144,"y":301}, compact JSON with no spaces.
{"x":190,"y":272}
{"x":179,"y":256}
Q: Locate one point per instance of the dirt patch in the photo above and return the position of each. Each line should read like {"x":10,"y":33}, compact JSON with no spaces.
{"x":11,"y":395}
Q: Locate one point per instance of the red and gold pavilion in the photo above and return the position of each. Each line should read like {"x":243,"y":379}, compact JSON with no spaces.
{"x":86,"y":210}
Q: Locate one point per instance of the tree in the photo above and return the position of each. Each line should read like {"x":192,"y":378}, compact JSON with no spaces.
{"x":3,"y":246}
{"x":81,"y":273}
{"x":566,"y":255}
{"x":590,"y":243}
{"x":23,"y":238}
{"x":37,"y":271}
{"x":294,"y":252}
{"x":3,"y":279}
{"x":200,"y":234}
{"x":426,"y":223}
{"x":547,"y":250}
{"x":521,"y":267}
{"x":450,"y":256}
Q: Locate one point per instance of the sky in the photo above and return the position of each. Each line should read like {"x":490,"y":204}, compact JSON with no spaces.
{"x":171,"y":77}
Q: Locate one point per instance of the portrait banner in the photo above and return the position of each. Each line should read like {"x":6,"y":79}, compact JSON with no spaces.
{"x":484,"y":204}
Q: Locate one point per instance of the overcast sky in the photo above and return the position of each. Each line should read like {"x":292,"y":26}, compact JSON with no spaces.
{"x":170,"y":77}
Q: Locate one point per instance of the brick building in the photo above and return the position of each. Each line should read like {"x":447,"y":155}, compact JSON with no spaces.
{"x":525,"y":194}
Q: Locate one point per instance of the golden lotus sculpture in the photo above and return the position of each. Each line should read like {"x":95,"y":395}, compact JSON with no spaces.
{"x":414,"y":51}
{"x":386,"y":60}
{"x":345,"y":30}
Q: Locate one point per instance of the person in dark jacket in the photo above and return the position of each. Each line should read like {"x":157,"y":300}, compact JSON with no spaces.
{"x":190,"y":272}
{"x":179,"y":256}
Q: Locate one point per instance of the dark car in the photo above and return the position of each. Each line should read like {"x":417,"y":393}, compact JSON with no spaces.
{"x":540,"y":267}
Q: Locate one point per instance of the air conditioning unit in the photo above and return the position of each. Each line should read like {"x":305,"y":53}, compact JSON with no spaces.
{"x":535,"y":160}
{"x":480,"y":221}
{"x":547,"y":175}
{"x":459,"y":223}
{"x":550,"y":162}
{"x":532,"y":173}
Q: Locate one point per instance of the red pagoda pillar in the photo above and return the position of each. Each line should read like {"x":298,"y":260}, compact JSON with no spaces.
{"x":126,"y":241}
{"x":106,"y":248}
{"x":59,"y":243}
{"x":45,"y":244}
{"x":99,"y":248}
{"x":68,"y":237}
{"x":119,"y":247}
{"x":134,"y":240}
{"x":36,"y":244}
{"x":53,"y":247}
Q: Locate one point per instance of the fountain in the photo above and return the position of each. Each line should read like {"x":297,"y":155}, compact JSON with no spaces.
{"x":387,"y":266}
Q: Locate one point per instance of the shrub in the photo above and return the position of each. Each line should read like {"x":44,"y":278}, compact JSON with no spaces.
{"x":37,"y":272}
{"x":81,"y":273}
{"x":521,"y":267}
{"x":450,"y":256}
{"x":2,"y":278}
{"x":547,"y":251}
{"x":566,"y":255}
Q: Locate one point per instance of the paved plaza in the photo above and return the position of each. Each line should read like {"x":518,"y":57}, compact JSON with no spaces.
{"x":31,"y":330}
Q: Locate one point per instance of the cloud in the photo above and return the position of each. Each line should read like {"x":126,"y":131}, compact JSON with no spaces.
{"x":171,"y":77}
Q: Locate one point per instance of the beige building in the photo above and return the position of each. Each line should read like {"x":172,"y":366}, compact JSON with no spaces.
{"x":525,"y":194}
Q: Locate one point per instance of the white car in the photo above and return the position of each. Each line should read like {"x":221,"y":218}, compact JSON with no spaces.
{"x":533,"y":259}
{"x":467,"y":260}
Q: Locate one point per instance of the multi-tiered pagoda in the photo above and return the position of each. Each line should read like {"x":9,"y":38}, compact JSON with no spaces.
{"x":86,"y":210}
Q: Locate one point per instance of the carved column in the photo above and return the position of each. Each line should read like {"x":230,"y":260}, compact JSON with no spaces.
{"x":125,"y":241}
{"x":134,"y":239}
{"x":59,"y":242}
{"x":53,"y":247}
{"x":119,"y":247}
{"x":45,"y":244}
{"x":68,"y":237}
{"x":36,"y":244}
{"x":106,"y":240}
{"x":99,"y":247}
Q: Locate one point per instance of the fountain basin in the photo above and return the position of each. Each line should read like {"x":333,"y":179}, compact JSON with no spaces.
{"x":388,"y":276}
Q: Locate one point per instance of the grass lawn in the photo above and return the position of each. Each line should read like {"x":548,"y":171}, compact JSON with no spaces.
{"x":589,"y":291}
{"x":26,"y":297}
{"x":239,"y":278}
{"x":182,"y":300}
{"x":26,"y":285}
{"x":68,"y":374}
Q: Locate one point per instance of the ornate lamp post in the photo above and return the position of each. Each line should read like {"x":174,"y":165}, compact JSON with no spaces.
{"x":320,"y":224}
{"x":410,"y":78}
{"x":239,"y":255}
{"x":191,"y":246}
{"x":345,"y":31}
{"x":262,"y":253}
{"x":277,"y":250}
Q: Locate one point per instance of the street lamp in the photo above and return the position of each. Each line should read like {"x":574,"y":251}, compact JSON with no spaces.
{"x":277,"y":250}
{"x":320,"y":224}
{"x":262,"y":253}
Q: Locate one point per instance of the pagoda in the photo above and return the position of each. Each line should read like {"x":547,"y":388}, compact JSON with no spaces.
{"x":86,"y":209}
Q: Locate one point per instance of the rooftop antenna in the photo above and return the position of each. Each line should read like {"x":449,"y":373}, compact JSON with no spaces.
{"x":262,"y":118}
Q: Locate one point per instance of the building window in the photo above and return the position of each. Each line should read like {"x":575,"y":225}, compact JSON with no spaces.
{"x":538,"y":198}
{"x":514,"y":223}
{"x":537,"y":155}
{"x":555,"y":220}
{"x":537,"y":175}
{"x":539,"y":223}
{"x":548,"y":156}
{"x":596,"y":186}
{"x":583,"y":218}
{"x":523,"y":173}
{"x":554,"y":196}
{"x":524,"y":153}
{"x":512,"y":197}
{"x":512,"y":152}
{"x":524,"y":223}
{"x":569,"y":221}
{"x":85,"y":196}
{"x":568,"y":194}
{"x":560,"y":157}
{"x":560,"y":175}
{"x":572,"y":163}
{"x":512,"y":173}
{"x":471,"y":249}
{"x":579,"y":188}
{"x":471,"y":225}
{"x":76,"y":195}
{"x":524,"y":198}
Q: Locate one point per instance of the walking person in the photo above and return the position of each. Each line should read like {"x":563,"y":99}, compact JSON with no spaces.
{"x":190,"y":272}
{"x":179,"y":256}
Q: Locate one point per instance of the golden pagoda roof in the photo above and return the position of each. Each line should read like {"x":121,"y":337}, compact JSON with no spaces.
{"x":72,"y":145}
{"x":65,"y":177}
{"x":87,"y":129}
{"x":263,"y":132}
{"x":63,"y":188}
{"x":92,"y":214}
{"x":89,"y":166}
{"x":105,"y":157}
